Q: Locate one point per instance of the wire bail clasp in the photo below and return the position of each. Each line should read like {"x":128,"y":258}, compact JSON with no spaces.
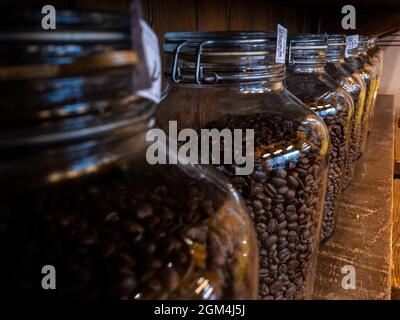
{"x":175,"y":73}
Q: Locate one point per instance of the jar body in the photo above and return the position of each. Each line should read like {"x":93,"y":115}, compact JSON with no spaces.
{"x":373,"y":68}
{"x":356,"y":88}
{"x":376,"y":58}
{"x":132,"y":231}
{"x":316,"y":90}
{"x":284,"y":193}
{"x":355,"y":65}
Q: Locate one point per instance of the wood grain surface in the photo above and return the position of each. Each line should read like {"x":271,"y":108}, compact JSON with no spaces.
{"x":363,"y":233}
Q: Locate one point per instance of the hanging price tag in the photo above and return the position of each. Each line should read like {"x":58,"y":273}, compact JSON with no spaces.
{"x":153,"y":61}
{"x":281,"y":39}
{"x":351,"y":43}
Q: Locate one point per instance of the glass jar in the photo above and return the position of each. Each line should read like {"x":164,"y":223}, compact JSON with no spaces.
{"x":363,"y":46}
{"x":376,"y":53}
{"x":308,"y":81}
{"x":355,"y":63}
{"x":238,"y":85}
{"x":354,"y":85}
{"x":375,"y":58}
{"x":80,"y":198}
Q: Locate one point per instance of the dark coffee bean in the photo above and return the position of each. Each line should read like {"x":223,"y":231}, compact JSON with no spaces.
{"x":280,"y":173}
{"x":283,"y":269}
{"x":293,"y":226}
{"x":272,"y":226}
{"x":271,"y":240}
{"x":171,"y":279}
{"x":290,"y":195}
{"x":292,"y":182}
{"x":292,"y":236}
{"x":284,"y":255}
{"x":144,"y":211}
{"x":257,"y":205}
{"x":283,"y":190}
{"x":282,"y":225}
{"x":269,"y":187}
{"x":278,"y":182}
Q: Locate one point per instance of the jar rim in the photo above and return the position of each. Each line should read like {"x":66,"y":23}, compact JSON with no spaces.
{"x":253,"y":41}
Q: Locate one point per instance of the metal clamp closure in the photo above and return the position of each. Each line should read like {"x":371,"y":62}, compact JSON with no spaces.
{"x":175,"y":74}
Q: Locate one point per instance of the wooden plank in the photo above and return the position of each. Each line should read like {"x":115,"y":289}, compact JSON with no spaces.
{"x":213,"y":15}
{"x":242,"y":15}
{"x":363,"y":233}
{"x":177,"y":15}
{"x":289,"y":20}
{"x":395,"y":294}
{"x":396,"y":236}
{"x":261,"y":12}
{"x":276,"y":15}
{"x":397,"y":147}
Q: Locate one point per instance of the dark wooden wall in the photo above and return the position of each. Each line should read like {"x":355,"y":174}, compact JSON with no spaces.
{"x":227,"y":15}
{"x":373,"y":16}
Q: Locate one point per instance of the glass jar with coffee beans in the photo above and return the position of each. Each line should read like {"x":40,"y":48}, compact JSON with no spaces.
{"x":80,"y":198}
{"x":308,"y":80}
{"x":227,"y":81}
{"x":356,"y":63}
{"x":375,"y":55}
{"x":375,"y":65}
{"x":354,"y":85}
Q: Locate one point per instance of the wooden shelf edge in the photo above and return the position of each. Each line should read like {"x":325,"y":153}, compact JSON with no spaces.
{"x":363,"y":234}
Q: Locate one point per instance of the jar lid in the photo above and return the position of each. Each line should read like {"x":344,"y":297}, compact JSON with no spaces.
{"x":72,"y":113}
{"x":223,"y":53}
{"x":31,"y":20}
{"x":336,"y":46}
{"x":363,"y":42}
{"x":309,"y":49}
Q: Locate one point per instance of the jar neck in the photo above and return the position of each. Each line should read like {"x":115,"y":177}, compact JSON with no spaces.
{"x":336,"y":48}
{"x":310,"y":68}
{"x":335,"y":59}
{"x":307,"y":53}
{"x":253,"y":87}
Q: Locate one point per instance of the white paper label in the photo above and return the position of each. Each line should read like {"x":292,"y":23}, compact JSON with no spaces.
{"x":152,"y":53}
{"x":281,"y":39}
{"x":351,"y":43}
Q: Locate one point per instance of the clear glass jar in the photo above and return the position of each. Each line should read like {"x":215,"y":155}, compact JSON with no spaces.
{"x":78,"y":194}
{"x":370,"y":64}
{"x":240,"y":86}
{"x":376,"y":53}
{"x":355,"y":62}
{"x":375,"y":58}
{"x":354,"y":85}
{"x":308,"y":81}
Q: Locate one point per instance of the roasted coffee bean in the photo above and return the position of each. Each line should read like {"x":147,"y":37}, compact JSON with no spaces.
{"x":291,"y":196}
{"x":116,"y":240}
{"x":278,"y":182}
{"x":271,"y":240}
{"x":272,"y":225}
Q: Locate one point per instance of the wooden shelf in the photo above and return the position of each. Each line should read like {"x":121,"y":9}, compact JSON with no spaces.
{"x":364,"y":227}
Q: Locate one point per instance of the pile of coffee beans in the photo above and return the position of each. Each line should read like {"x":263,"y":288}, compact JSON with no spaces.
{"x":284,"y":196}
{"x":338,"y":127}
{"x":114,"y":238}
